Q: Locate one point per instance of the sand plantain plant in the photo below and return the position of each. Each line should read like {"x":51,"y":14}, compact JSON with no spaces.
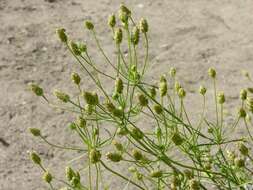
{"x":169,"y":152}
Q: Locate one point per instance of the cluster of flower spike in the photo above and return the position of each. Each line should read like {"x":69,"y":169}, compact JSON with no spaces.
{"x":147,"y":151}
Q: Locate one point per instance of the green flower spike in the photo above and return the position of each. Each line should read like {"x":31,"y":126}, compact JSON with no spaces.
{"x":119,"y":85}
{"x":135,"y":36}
{"x":94,"y":156}
{"x":75,"y":49}
{"x":202,"y":90}
{"x":221,"y":98}
{"x":112,"y":21}
{"x":62,"y":96}
{"x":114,"y":156}
{"x":76,"y":78}
{"x":47,"y":177}
{"x":243,"y":149}
{"x":89,"y":25}
{"x":35,"y":132}
{"x":156,"y":174}
{"x":118,"y":35}
{"x":35,"y":158}
{"x":36,"y":89}
{"x":143,"y":25}
{"x":62,"y":35}
{"x":143,"y":101}
{"x":243,"y":94}
{"x":212,"y":72}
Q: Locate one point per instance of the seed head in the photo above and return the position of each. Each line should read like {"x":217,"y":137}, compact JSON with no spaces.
{"x":243,"y":149}
{"x":250,"y":103}
{"x":243,"y":94}
{"x":156,"y":174}
{"x":221,"y":98}
{"x":181,"y":93}
{"x":95,"y":156}
{"x":118,"y":112}
{"x":242,"y":113}
{"x":202,"y":90}
{"x":137,"y":133}
{"x":47,"y":177}
{"x":177,"y":86}
{"x":36,"y":89}
{"x":90,"y":98}
{"x":123,"y":8}
{"x":119,"y":85}
{"x":76,"y":78}
{"x":75,"y":49}
{"x":135,"y":36}
{"x":137,"y":154}
{"x":35,"y":132}
{"x":194,"y":184}
{"x":69,"y":173}
{"x":35,"y":158}
{"x":177,"y":139}
{"x":143,"y":101}
{"x":114,"y":156}
{"x":89,"y":109}
{"x":75,"y":181}
{"x":82,"y":47}
{"x":231,"y":155}
{"x":72,"y":126}
{"x":110,"y":106}
{"x":118,"y":145}
{"x":81,"y":122}
{"x":89,"y":25}
{"x":239,"y":162}
{"x":172,"y":72}
{"x":212,"y":72}
{"x":143,"y":25}
{"x":163,"y":88}
{"x":62,"y":96}
{"x":62,"y":35}
{"x":118,"y":35}
{"x":112,"y":21}
{"x":158,"y":109}
{"x":152,"y":92}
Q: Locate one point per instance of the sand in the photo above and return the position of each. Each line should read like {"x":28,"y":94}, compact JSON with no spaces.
{"x":191,"y":35}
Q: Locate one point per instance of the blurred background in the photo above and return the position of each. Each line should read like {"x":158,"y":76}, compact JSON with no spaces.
{"x":191,"y":35}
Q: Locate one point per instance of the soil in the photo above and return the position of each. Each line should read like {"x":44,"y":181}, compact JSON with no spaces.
{"x":191,"y":35}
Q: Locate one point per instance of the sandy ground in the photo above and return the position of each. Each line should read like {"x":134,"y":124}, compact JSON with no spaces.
{"x":191,"y":35}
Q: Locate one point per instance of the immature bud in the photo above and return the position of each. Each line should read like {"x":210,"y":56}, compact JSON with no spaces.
{"x":35,"y":158}
{"x":119,"y":85}
{"x":158,"y":109}
{"x":194,"y":184}
{"x":177,"y":139}
{"x":110,"y":106}
{"x":239,"y":162}
{"x":181,"y":93}
{"x":143,"y":101}
{"x":76,"y":78}
{"x":35,"y":132}
{"x":47,"y":177}
{"x":137,"y":133}
{"x":114,"y":156}
{"x":118,"y":35}
{"x":242,"y":113}
{"x":156,"y":174}
{"x":75,"y":181}
{"x":123,"y":16}
{"x":118,"y":145}
{"x":172,"y":72}
{"x":135,"y":36}
{"x":212,"y":72}
{"x":89,"y":25}
{"x":231,"y":155}
{"x":202,"y":90}
{"x":152,"y":92}
{"x":137,"y":154}
{"x":243,"y":149}
{"x":143,"y":25}
{"x":75,"y":49}
{"x":62,"y":35}
{"x":221,"y":98}
{"x":112,"y":20}
{"x":36,"y":89}
{"x":94,"y":156}
{"x":69,"y":173}
{"x":89,"y":109}
{"x":243,"y":94}
{"x":90,"y":98}
{"x":62,"y":96}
